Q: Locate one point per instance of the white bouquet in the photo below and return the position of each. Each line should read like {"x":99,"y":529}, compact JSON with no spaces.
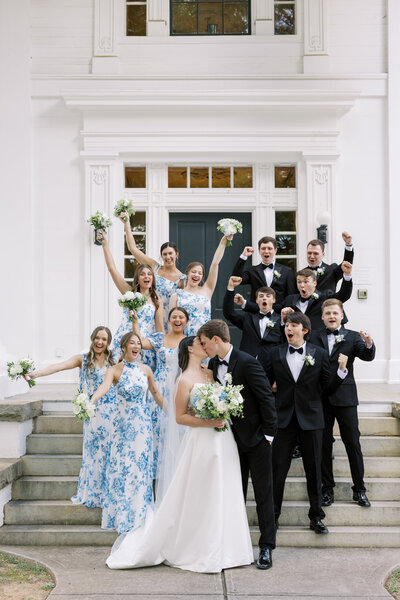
{"x":229,"y":227}
{"x":84,"y":409}
{"x":124,"y":206}
{"x":20,"y":368}
{"x":216,"y":401}
{"x":132,"y":301}
{"x":100,"y":220}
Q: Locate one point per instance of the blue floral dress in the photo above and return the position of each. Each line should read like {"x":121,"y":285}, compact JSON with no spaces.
{"x":129,"y":476}
{"x":198,"y":308}
{"x":147,"y":326}
{"x":96,"y":439}
{"x":165,"y":289}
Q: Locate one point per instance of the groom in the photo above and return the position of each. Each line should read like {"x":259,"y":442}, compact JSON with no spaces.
{"x":253,"y":433}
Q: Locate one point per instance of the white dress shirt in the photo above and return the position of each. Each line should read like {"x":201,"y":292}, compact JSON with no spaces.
{"x":295,"y":361}
{"x":263,"y":324}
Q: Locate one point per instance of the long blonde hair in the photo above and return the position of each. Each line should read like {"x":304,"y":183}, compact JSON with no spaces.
{"x":91,"y":357}
{"x":153,"y":288}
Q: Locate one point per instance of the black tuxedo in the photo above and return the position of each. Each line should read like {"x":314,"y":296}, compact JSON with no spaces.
{"x":342,"y":405}
{"x":300,"y":417}
{"x":332,"y":273}
{"x":255,"y":452}
{"x":283,"y":285}
{"x":249,"y":323}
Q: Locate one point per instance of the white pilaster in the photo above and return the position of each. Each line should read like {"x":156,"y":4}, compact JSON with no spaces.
{"x":263,"y":17}
{"x":105,"y":58}
{"x":316,"y":59}
{"x":157,"y":18}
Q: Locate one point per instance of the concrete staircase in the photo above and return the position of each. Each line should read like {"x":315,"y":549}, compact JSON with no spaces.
{"x":40,"y":512}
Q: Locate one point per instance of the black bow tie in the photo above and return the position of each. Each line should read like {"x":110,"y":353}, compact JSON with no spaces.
{"x":222,"y":362}
{"x":335,"y":332}
{"x":313,"y":268}
{"x":292,"y":350}
{"x":262,"y":315}
{"x":264,"y":266}
{"x":304,"y":299}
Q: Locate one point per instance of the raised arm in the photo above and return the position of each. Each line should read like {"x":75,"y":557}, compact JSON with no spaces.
{"x":159,"y":317}
{"x":173,"y":301}
{"x":140,"y":256}
{"x":236,"y":317}
{"x":70,"y":363}
{"x":112,"y":375}
{"x":146,"y":343}
{"x":344,"y":293}
{"x":116,"y":276}
{"x":239,"y":266}
{"x":213,"y":272}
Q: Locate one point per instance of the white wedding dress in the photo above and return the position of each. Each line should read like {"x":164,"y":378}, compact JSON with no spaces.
{"x":201,"y":524}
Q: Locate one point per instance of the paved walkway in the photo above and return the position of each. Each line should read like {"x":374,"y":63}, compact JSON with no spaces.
{"x":298,"y":573}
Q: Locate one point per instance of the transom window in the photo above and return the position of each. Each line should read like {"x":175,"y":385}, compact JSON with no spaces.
{"x":285,"y":235}
{"x":284,"y":17}
{"x":136,"y":17}
{"x":285,"y":176}
{"x":210,"y":177}
{"x":210,"y":17}
{"x":135,"y":177}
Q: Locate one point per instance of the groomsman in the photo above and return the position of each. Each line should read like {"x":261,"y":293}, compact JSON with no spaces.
{"x":255,"y":431}
{"x":268,"y":273}
{"x":342,"y":404}
{"x":328,"y":275}
{"x":301,"y":372}
{"x":309,"y":298}
{"x":261,"y":330}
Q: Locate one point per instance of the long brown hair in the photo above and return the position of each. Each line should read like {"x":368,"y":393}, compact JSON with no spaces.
{"x":153,"y":289}
{"x":125,"y":341}
{"x":91,"y":357}
{"x":191,"y":266}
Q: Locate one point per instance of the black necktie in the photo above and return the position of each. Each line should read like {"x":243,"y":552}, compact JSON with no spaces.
{"x":335,"y":332}
{"x":222,"y":362}
{"x":262,"y":315}
{"x":292,"y":350}
{"x":270,"y":266}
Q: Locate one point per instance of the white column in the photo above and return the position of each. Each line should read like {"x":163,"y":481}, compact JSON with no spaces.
{"x":157,"y":18}
{"x":263,"y":17}
{"x":105,"y":59}
{"x":392,"y":292}
{"x":316,"y":59}
{"x":157,"y":215}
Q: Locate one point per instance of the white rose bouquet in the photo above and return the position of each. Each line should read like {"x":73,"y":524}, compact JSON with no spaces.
{"x":229,"y":227}
{"x":100,"y":220}
{"x":132,"y":301}
{"x":124,"y":206}
{"x":20,"y":368}
{"x":216,"y":401}
{"x":84,"y":409}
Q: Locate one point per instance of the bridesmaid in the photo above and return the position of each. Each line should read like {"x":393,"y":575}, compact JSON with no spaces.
{"x":165,"y":346}
{"x":150,"y":315}
{"x":129,"y":476}
{"x":168,"y":276}
{"x":96,"y":431}
{"x":196,"y":299}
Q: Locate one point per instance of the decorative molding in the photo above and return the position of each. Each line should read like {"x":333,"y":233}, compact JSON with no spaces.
{"x":99,"y":175}
{"x":321,"y":175}
{"x":315,"y":27}
{"x":320,"y":192}
{"x":104,"y":28}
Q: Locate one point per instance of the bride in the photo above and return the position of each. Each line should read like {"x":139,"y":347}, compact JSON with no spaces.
{"x":201,"y":523}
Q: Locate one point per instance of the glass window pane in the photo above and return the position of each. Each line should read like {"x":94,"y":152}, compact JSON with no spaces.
{"x":184,"y":18}
{"x":135,"y":177}
{"x":199,"y":177}
{"x":284,"y":19}
{"x":130,"y":267}
{"x":236,"y":18}
{"x":285,"y":177}
{"x":286,"y":243}
{"x":289,"y":262}
{"x":285,"y":220}
{"x":243,"y":177}
{"x":221,"y":177}
{"x":136,"y":20}
{"x":140,"y":243}
{"x":138,"y":221}
{"x":210,"y":17}
{"x":177,"y":177}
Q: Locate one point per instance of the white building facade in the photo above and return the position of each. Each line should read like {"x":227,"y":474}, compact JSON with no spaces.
{"x":82,"y":102}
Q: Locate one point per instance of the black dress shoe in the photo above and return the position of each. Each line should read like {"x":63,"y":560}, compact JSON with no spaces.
{"x":296,"y":451}
{"x":361,"y":499}
{"x":318,"y":526}
{"x":265,"y":559}
{"x":328,"y":498}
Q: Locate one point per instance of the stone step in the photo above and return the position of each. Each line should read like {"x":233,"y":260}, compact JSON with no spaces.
{"x":372,"y":445}
{"x":54,"y":512}
{"x":44,"y":488}
{"x":301,"y":536}
{"x":57,"y":423}
{"x":375,"y":466}
{"x":340,"y":514}
{"x":378,"y":488}
{"x":376,"y":424}
{"x":48,"y":443}
{"x":51,"y":464}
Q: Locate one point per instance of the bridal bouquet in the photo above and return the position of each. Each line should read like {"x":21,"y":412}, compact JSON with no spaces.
{"x":84,"y":409}
{"x":20,"y":368}
{"x":132,"y":301}
{"x":229,"y":227}
{"x":124,"y":206}
{"x":216,"y":401}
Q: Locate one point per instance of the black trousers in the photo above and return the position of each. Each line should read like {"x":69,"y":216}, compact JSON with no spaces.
{"x":347,"y":419}
{"x":258,"y":462}
{"x":311,"y":450}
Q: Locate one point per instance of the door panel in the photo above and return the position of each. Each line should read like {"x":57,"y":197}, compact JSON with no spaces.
{"x":197,"y":238}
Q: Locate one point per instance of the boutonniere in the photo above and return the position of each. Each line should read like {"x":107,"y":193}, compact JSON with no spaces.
{"x":277,"y":275}
{"x":270,"y":323}
{"x":309,"y":360}
{"x":315,"y":296}
{"x":339,"y":338}
{"x":320,"y":271}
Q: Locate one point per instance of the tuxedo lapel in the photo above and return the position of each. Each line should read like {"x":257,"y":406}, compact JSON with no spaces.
{"x":232,"y":362}
{"x":215,"y":368}
{"x":338,"y":345}
{"x":269,"y":329}
{"x":256,"y":322}
{"x":324,"y":340}
{"x":260,"y":272}
{"x":282,"y":355}
{"x":309,"y":352}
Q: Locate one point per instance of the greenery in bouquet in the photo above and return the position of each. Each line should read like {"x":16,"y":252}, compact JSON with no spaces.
{"x":20,"y":368}
{"x":216,"y":401}
{"x":83,"y":409}
{"x":132,"y":301}
{"x":123,"y":206}
{"x":229,"y":227}
{"x":100,"y":220}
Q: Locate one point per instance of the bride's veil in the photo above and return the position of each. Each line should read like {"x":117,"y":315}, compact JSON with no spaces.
{"x":171,"y":434}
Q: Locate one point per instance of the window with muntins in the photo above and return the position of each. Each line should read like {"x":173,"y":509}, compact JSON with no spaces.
{"x":210,"y":17}
{"x":138,"y":226}
{"x":284,"y":17}
{"x":210,"y":177}
{"x":285,"y":235}
{"x":136,"y":17}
